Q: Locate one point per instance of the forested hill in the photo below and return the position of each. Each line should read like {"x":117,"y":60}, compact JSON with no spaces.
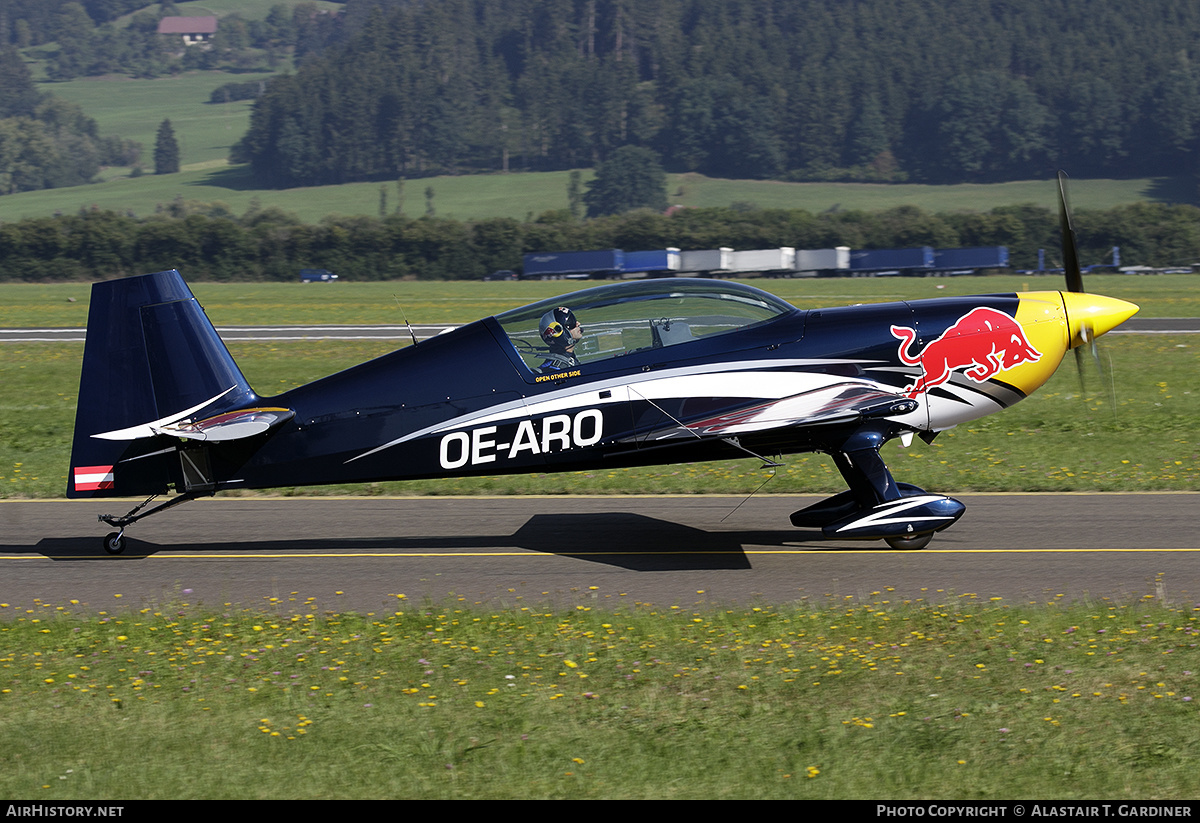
{"x":923,"y":90}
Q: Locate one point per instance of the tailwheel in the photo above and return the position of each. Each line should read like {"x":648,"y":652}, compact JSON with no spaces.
{"x":114,"y":542}
{"x":909,"y":543}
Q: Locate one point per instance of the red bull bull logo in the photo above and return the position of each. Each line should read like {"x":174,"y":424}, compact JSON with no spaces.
{"x":981,"y":344}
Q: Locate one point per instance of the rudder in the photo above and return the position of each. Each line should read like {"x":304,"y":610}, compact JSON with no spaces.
{"x":151,"y":357}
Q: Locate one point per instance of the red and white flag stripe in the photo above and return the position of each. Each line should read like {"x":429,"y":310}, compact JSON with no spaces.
{"x":92,"y":478}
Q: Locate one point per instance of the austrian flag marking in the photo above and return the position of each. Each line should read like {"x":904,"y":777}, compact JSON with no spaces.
{"x":93,"y":478}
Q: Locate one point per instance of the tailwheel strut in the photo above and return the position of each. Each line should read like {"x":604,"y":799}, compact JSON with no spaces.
{"x":114,"y":542}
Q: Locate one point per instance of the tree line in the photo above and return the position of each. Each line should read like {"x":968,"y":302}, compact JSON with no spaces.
{"x":208,"y":242}
{"x":920,"y":90}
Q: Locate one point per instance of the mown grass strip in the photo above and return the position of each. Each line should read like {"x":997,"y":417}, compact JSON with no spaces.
{"x":65,"y":305}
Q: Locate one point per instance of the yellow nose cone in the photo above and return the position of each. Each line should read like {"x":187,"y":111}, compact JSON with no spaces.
{"x":1091,"y":315}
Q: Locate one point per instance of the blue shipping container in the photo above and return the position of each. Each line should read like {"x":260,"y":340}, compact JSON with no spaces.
{"x":983,"y":257}
{"x":886,"y":259}
{"x":574,"y":262}
{"x":658,"y":260}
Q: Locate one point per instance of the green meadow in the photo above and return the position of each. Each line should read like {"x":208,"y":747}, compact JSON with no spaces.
{"x":64,"y":305}
{"x":246,"y":9}
{"x":210,"y":179}
{"x":945,"y":697}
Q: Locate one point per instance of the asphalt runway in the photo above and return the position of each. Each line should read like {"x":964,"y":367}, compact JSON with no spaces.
{"x":361,"y":553}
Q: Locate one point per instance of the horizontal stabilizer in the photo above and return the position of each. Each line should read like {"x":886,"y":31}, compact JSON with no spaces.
{"x":232,"y":426}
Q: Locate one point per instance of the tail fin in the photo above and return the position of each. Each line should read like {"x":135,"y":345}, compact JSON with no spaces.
{"x":151,"y":359}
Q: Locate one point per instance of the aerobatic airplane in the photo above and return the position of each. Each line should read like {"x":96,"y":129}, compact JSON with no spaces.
{"x":636,"y":373}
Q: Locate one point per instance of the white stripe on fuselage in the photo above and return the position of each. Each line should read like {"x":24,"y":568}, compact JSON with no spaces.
{"x":752,"y":379}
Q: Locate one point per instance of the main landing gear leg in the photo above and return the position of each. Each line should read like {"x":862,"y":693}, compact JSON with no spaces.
{"x":114,"y":542}
{"x":876,"y":507}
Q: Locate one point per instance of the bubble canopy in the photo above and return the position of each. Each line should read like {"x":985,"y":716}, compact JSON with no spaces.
{"x":635,"y":316}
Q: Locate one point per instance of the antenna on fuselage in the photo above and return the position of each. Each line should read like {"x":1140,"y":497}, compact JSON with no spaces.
{"x":411,"y":333}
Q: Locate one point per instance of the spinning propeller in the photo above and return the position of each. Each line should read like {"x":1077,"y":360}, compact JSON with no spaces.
{"x":1086,"y":318}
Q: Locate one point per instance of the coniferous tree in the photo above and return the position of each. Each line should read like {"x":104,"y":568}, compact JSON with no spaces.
{"x":868,"y":136}
{"x":798,"y":89}
{"x":575,"y":193}
{"x":18,"y":96}
{"x":166,"y":150}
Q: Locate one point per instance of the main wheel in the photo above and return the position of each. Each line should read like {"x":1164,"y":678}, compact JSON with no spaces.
{"x":917,"y":541}
{"x":114,"y":543}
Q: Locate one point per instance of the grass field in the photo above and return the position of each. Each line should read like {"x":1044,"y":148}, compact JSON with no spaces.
{"x":65,"y":305}
{"x":246,"y":9}
{"x":208,"y":178}
{"x":943,"y":698}
{"x":135,"y":108}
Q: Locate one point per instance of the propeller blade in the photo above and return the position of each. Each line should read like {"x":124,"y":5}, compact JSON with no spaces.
{"x":1070,"y":247}
{"x":1099,"y":369}
{"x":1074,"y":275}
{"x":1080,"y":369}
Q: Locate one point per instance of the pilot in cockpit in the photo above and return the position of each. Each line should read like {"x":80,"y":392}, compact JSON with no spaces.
{"x":560,"y":331}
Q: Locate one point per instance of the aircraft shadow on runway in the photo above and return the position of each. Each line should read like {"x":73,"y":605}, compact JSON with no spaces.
{"x":622,"y":539}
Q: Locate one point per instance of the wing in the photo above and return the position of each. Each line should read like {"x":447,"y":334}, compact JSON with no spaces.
{"x":835,"y":403}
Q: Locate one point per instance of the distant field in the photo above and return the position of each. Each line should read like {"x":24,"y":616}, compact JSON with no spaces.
{"x":135,"y":108}
{"x":246,"y":9}
{"x":65,"y":305}
{"x":206,"y":133}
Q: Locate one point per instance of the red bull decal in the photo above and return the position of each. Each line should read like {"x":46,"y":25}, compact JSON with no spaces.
{"x":981,"y":343}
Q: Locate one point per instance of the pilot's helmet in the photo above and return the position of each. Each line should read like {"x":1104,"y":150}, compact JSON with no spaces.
{"x":555,"y":327}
